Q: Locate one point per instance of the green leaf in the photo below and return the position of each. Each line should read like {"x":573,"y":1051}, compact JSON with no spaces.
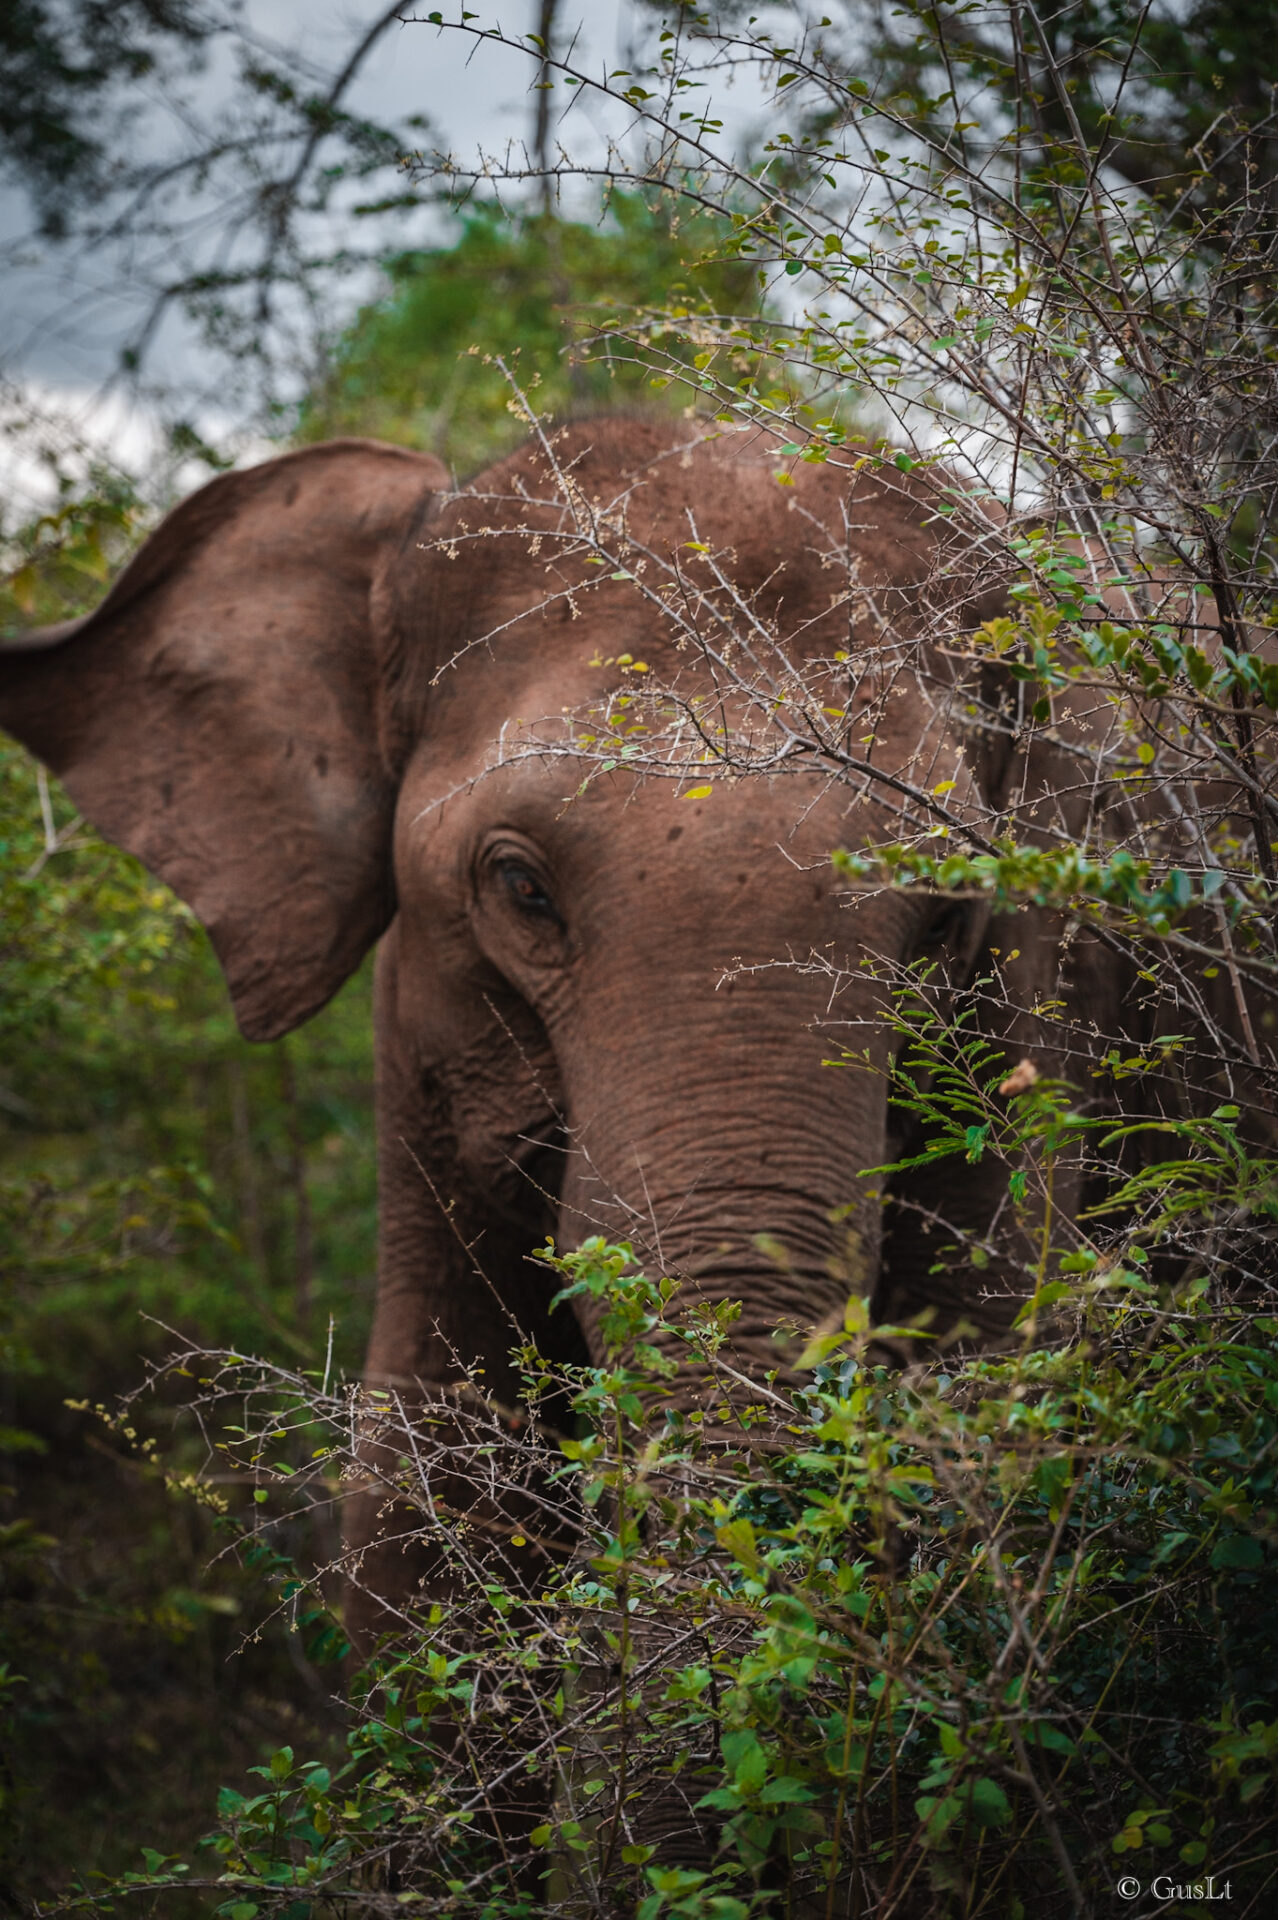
{"x":1046,"y":1735}
{"x":989,"y":1803}
{"x":737,"y":1537}
{"x":745,"y":1758}
{"x":1045,"y":1297}
{"x":786,"y":1792}
{"x":1237,"y":1550}
{"x":938,"y":1816}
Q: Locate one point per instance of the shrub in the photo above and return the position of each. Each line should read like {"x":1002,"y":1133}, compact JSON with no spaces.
{"x":976,"y":1637}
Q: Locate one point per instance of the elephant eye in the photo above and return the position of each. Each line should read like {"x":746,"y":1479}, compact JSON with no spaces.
{"x":525,"y":889}
{"x":947,"y":925}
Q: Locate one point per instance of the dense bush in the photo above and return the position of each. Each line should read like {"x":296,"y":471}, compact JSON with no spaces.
{"x":976,"y":1638}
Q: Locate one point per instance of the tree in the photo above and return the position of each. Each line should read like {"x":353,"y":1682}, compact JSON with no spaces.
{"x":225,"y":205}
{"x":1183,"y":105}
{"x":513,"y":305}
{"x":62,"y":120}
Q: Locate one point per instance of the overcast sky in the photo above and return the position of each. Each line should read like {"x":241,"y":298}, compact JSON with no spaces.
{"x":63,"y":315}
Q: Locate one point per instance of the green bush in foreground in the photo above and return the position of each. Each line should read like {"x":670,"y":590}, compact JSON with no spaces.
{"x":973,"y":1639}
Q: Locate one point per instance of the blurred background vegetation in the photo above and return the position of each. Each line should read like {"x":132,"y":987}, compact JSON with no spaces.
{"x":156,"y":1172}
{"x":520,"y":301}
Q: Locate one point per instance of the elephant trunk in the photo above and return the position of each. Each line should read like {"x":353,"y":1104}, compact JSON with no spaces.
{"x":739,"y":1166}
{"x":732,"y":1154}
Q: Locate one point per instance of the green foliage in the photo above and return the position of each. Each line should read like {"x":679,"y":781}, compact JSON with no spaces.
{"x":1199,"y":73}
{"x":1062,"y":877}
{"x":156,"y":1173}
{"x":967,"y":1636}
{"x":544,"y":295}
{"x":952,"y":1641}
{"x":60,"y":562}
{"x":138,"y":1127}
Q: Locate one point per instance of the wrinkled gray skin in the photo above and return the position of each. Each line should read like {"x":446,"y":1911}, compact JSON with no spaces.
{"x":281,"y":708}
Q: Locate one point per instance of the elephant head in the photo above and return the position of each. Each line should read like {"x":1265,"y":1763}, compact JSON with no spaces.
{"x":334,"y":701}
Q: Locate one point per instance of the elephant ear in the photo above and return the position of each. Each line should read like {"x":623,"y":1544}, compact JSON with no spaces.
{"x":218,"y":715}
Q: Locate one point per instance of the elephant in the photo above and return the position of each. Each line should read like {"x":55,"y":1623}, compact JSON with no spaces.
{"x":336,"y":700}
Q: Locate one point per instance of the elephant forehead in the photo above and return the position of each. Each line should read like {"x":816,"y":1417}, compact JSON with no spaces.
{"x":593,"y":814}
{"x":631,"y":545}
{"x":579,"y":759}
{"x":578,"y":624}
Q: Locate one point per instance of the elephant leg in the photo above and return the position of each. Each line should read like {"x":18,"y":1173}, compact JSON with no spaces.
{"x":609,"y":1794}
{"x":453,"y":1491}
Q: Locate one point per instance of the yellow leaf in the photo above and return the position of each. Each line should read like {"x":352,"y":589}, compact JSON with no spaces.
{"x":697,"y":793}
